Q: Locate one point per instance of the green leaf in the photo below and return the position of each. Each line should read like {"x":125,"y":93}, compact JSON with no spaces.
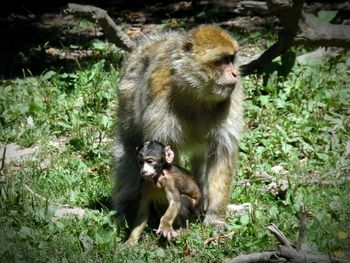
{"x":104,"y":235}
{"x":280,"y":103}
{"x":273,"y":211}
{"x":298,"y":200}
{"x":322,"y":156}
{"x":264,"y":99}
{"x":5,"y":243}
{"x":104,"y":121}
{"x":25,"y":232}
{"x":100,"y":46}
{"x":86,"y":241}
{"x":326,"y":15}
{"x":50,"y":211}
{"x":48,"y":75}
{"x":244,"y":219}
{"x":160,"y":253}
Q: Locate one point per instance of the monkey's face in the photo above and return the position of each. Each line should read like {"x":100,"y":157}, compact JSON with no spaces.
{"x":208,"y":63}
{"x":225,"y":75}
{"x":149,"y":167}
{"x":151,"y":158}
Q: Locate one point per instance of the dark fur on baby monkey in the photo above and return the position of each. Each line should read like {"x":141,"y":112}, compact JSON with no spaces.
{"x":171,"y":189}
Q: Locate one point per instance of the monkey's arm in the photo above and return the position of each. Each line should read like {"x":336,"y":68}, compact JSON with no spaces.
{"x":141,"y":220}
{"x":173,"y":195}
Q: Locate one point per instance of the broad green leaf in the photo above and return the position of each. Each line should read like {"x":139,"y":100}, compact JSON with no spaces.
{"x":104,"y":235}
{"x":326,"y":15}
{"x":244,"y":219}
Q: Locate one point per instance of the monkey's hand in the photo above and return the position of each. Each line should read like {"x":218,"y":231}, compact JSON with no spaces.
{"x":168,"y":232}
{"x":215,"y":221}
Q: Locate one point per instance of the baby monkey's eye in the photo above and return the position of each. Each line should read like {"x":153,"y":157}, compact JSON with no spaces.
{"x":150,"y":161}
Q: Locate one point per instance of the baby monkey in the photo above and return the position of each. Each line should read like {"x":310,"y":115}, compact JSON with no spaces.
{"x":171,"y":189}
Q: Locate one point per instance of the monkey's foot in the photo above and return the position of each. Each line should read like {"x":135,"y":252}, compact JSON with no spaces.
{"x":214,"y":221}
{"x":131,"y":242}
{"x":168,"y":232}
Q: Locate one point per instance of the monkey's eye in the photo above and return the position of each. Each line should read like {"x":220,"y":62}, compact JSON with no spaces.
{"x":226,"y":60}
{"x":233,"y":58}
{"x":150,"y":161}
{"x":188,"y":47}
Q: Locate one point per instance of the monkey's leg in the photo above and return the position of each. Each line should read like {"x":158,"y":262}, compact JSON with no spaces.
{"x":140,"y":223}
{"x":219,"y":176}
{"x":127,"y":188}
{"x":198,"y":169}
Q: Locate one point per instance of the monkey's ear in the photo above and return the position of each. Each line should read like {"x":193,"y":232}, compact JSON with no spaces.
{"x":169,"y":154}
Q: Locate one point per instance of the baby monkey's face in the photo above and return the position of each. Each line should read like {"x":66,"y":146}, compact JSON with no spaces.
{"x":152,"y":156}
{"x":150,"y":166}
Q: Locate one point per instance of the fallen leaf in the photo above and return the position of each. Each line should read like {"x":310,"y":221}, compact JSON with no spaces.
{"x":218,"y":238}
{"x":343,"y":235}
{"x":339,"y":254}
{"x":186,"y":250}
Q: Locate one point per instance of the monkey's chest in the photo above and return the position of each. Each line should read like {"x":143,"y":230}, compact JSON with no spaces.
{"x":159,"y":201}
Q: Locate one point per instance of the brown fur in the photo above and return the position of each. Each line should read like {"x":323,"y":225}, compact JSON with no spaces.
{"x":168,"y":195}
{"x":170,"y":92}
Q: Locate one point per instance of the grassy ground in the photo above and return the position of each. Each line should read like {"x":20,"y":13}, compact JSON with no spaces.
{"x":298,"y":132}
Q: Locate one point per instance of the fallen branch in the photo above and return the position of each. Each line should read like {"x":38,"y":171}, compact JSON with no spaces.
{"x":255,"y":257}
{"x":2,"y":175}
{"x":279,"y":235}
{"x":34,"y":194}
{"x":3,"y":159}
{"x":112,"y":31}
{"x":285,"y":252}
{"x":319,"y":53}
{"x":302,"y":215}
{"x":297,"y":28}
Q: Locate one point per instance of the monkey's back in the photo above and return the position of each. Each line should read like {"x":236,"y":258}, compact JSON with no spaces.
{"x":149,"y":53}
{"x":185,"y":182}
{"x":149,"y":62}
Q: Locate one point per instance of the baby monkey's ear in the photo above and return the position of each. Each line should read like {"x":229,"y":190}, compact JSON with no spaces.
{"x":169,"y":154}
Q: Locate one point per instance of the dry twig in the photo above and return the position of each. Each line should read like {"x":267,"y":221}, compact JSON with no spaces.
{"x":218,"y":238}
{"x":112,"y":31}
{"x":285,"y":253}
{"x":298,"y":28}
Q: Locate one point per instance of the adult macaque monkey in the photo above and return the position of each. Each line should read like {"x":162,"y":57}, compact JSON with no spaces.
{"x":171,"y":190}
{"x":182,"y":89}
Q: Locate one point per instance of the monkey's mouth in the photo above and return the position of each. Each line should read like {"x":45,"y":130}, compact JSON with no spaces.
{"x":147,"y":176}
{"x":224,"y":90}
{"x":230,"y":85}
{"x":227,"y":88}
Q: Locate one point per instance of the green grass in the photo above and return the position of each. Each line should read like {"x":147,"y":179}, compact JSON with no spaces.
{"x":299,"y":124}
